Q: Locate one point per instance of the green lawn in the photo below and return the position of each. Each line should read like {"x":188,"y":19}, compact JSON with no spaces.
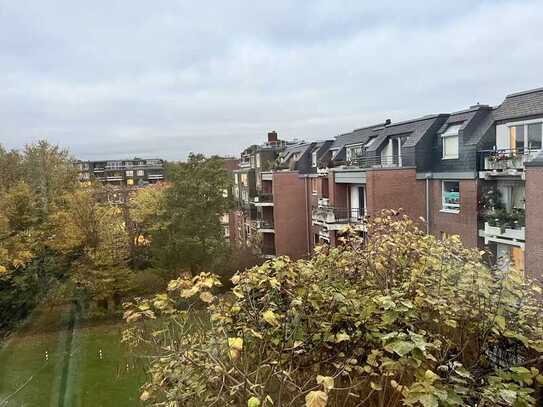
{"x":74,"y":373}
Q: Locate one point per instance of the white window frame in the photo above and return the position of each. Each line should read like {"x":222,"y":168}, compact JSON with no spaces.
{"x":140,"y":173}
{"x":129,"y":173}
{"x":314,"y":159}
{"x":314,"y":187}
{"x":525,"y":125}
{"x":451,"y":132}
{"x":448,"y":207}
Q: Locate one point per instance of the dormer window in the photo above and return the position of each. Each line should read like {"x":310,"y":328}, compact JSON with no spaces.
{"x":353,"y":152}
{"x":450,"y":142}
{"x":314,"y":159}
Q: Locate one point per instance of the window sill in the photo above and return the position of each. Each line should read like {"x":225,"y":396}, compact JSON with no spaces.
{"x":450,"y":158}
{"x":454,"y":211}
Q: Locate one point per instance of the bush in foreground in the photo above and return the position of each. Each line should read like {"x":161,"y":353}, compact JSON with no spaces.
{"x":398,"y":319}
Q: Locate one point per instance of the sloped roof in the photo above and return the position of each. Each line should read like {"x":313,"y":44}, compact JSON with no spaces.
{"x":522,"y":104}
{"x":414,"y":129}
{"x":361,"y":135}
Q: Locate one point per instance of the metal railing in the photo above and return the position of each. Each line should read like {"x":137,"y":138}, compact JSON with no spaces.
{"x":263,"y":197}
{"x":377,"y":161}
{"x":330,"y":214}
{"x":505,"y":159}
{"x":264,"y":224}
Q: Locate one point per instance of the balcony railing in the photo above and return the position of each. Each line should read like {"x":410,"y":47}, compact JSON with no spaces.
{"x":377,"y":161}
{"x":267,"y":252}
{"x":506,"y":234}
{"x":263,"y":197}
{"x":331,"y":215}
{"x":505,"y":160}
{"x":264,"y":224}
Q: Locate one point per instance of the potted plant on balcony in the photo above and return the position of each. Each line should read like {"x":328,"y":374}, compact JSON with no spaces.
{"x":502,"y":159}
{"x":518,"y":218}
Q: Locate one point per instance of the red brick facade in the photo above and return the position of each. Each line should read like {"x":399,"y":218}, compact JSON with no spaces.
{"x":464,"y":223}
{"x":292,"y":214}
{"x":534,"y":222}
{"x":395,"y":189}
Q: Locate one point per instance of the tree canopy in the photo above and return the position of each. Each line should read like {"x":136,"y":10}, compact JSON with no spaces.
{"x":188,"y":232}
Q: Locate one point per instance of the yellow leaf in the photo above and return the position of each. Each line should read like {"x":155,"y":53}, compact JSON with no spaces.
{"x":326,"y":381}
{"x":316,"y":399}
{"x":145,"y":396}
{"x":235,"y":343}
{"x":3,"y":269}
{"x":341,"y":337}
{"x":189,"y":292}
{"x":270,"y":317}
{"x":206,"y":296}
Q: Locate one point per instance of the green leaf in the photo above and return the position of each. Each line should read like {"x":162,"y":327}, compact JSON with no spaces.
{"x":253,"y":402}
{"x":401,"y":348}
{"x":500,"y":321}
{"x":430,"y":376}
{"x":508,"y":396}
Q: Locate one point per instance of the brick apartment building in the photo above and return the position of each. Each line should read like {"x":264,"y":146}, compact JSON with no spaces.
{"x":476,"y":173}
{"x":134,"y":172}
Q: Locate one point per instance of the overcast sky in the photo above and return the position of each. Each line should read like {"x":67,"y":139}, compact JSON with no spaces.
{"x":110,"y":78}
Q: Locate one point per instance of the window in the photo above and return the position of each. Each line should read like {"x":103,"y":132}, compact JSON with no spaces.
{"x":314,"y":186}
{"x":450,"y":192}
{"x":516,"y":135}
{"x":140,"y":173}
{"x":314,"y":159}
{"x":450,"y":142}
{"x":353,"y":152}
{"x":258,"y":161}
{"x":130,"y":173}
{"x":534,"y":136}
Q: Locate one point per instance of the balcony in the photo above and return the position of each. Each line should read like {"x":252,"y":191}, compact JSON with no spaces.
{"x":504,"y":162}
{"x":114,"y":178}
{"x":267,"y":252}
{"x":506,"y":234}
{"x":376,"y":161}
{"x":263,"y":199}
{"x":155,"y":176}
{"x":337,"y":218}
{"x":265,"y":226}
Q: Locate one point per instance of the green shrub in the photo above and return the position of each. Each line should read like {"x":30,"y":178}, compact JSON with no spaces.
{"x":400,"y":318}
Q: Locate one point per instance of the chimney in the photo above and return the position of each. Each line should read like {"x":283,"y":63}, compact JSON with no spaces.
{"x":387,"y":122}
{"x":272,"y":137}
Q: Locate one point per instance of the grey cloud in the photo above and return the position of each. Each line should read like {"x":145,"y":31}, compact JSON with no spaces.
{"x":164,"y":78}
